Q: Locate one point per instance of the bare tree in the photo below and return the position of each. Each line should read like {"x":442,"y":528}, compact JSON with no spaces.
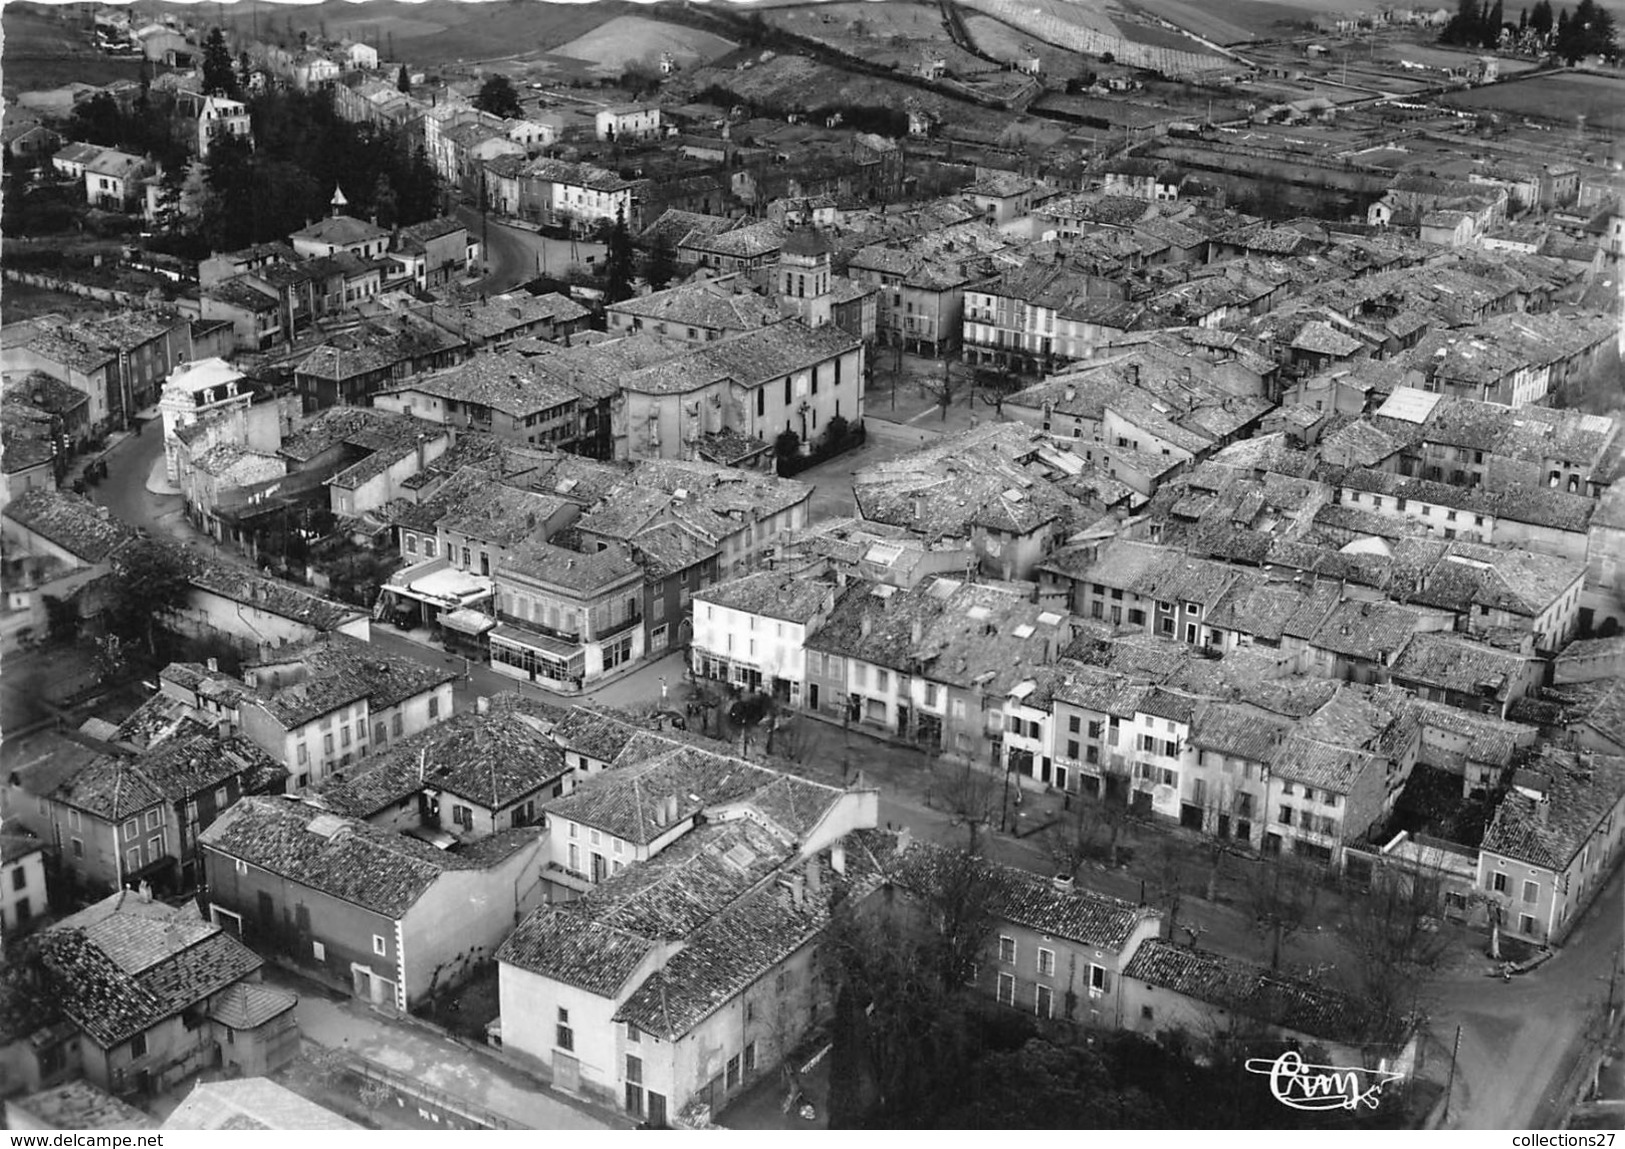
{"x":1168,"y":868}
{"x":1225,"y":805}
{"x":1398,"y":946}
{"x":942,"y":390}
{"x":1282,"y":894}
{"x":1108,"y":814}
{"x":972,"y":796}
{"x":789,"y":736}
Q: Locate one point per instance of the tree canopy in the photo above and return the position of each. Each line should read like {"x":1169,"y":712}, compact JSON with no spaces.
{"x":619,"y":262}
{"x":150,"y":579}
{"x":498,"y":97}
{"x":219,"y":76}
{"x":302,"y":151}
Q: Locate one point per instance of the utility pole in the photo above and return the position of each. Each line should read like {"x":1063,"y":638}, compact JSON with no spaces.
{"x":1450,"y":1082}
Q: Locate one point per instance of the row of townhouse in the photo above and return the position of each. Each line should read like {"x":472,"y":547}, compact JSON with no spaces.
{"x":652,"y":398}
{"x":649,"y":538}
{"x":558,"y":193}
{"x":120,"y":817}
{"x":1470,"y":442}
{"x":406,"y":876}
{"x":118,"y":362}
{"x":269,"y":293}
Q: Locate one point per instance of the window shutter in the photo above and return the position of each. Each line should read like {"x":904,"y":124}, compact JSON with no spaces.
{"x":1105,"y":980}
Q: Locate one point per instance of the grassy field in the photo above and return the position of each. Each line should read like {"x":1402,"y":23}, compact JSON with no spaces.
{"x":1238,"y":21}
{"x":901,"y":32}
{"x":611,"y":46}
{"x":1005,"y":43}
{"x":1601,"y":99}
{"x":44,"y":51}
{"x":429,"y":33}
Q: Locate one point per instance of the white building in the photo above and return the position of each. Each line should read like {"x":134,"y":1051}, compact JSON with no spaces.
{"x":362,"y":56}
{"x":220,"y":118}
{"x":632,"y":122}
{"x":191,"y":391}
{"x":750,"y":631}
{"x":22,"y":881}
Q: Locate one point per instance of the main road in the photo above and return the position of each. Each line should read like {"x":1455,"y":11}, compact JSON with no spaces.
{"x":516,"y":255}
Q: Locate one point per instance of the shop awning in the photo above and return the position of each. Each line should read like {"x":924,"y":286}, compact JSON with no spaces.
{"x":438,"y":584}
{"x":540,"y":643}
{"x":467,"y":621}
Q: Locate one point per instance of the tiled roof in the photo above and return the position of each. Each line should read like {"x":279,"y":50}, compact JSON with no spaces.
{"x":1367,"y":630}
{"x":247,"y":1005}
{"x":340,"y":670}
{"x":745,"y":941}
{"x":1320,"y":765}
{"x":665,"y":549}
{"x":1581,"y":790}
{"x":239,"y":292}
{"x":508,"y":382}
{"x":504,"y":516}
{"x":16,"y":845}
{"x":341,"y":231}
{"x":749,"y":359}
{"x":110,"y":788}
{"x":1258,"y":993}
{"x":598,"y":734}
{"x":1027,"y":899}
{"x":625,"y":802}
{"x":491,"y":759}
{"x":781,"y":594}
{"x":71,"y":521}
{"x":122,"y":966}
{"x":1451,"y":662}
{"x":719,"y":304}
{"x":375,"y":869}
{"x":270,"y":595}
{"x":1489,"y":739}
{"x":1238,"y":730}
{"x":1606,"y":713}
{"x":747,"y":242}
{"x":579,"y":573}
{"x":597,"y":941}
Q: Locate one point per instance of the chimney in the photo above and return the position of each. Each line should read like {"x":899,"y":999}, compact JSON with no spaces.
{"x":1071,"y":394}
{"x":919,"y":507}
{"x":917,"y":632}
{"x":482,"y":705}
{"x":144,"y":892}
{"x":905,"y":839}
{"x":1134,"y":374}
{"x":815,"y":877}
{"x":423,"y":763}
{"x":214,"y":665}
{"x":837,"y":857}
{"x":866,"y":624}
{"x":798,"y":890}
{"x":1064,"y":883}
